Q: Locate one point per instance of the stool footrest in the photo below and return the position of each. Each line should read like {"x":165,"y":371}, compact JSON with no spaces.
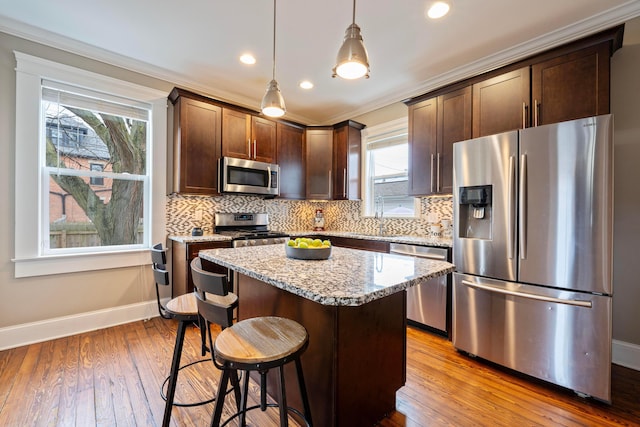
{"x":268,"y":405}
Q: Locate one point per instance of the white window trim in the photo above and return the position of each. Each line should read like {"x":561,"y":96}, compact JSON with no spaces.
{"x":368,"y":133}
{"x":30,"y":71}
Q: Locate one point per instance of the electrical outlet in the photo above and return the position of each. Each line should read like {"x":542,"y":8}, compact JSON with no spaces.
{"x":198,"y":215}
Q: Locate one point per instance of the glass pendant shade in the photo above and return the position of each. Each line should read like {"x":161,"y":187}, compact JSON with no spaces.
{"x":273,"y":102}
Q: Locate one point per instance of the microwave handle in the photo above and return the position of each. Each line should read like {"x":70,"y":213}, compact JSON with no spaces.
{"x":269,"y":174}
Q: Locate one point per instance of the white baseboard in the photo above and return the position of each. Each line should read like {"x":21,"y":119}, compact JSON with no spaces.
{"x":29,"y":333}
{"x":626,"y":354}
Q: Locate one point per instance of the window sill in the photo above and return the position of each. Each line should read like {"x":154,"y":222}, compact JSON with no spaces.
{"x":60,"y":264}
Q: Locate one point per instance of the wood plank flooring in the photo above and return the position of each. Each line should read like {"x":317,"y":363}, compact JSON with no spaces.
{"x":112,"y":377}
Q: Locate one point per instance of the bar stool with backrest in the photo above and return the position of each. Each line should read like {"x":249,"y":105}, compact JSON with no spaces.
{"x":184,"y":309}
{"x":256,"y":344}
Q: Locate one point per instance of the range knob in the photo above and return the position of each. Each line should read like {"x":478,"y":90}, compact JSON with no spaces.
{"x":241,"y":243}
{"x":252,"y":242}
{"x":265,"y":241}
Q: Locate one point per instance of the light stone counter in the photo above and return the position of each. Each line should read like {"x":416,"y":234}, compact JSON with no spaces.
{"x":348,"y":278}
{"x":187,"y":238}
{"x":412,"y":240}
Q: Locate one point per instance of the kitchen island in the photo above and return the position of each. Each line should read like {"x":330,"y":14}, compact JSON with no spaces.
{"x":354,"y":308}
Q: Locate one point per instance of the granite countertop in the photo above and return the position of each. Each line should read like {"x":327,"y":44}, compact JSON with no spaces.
{"x":412,"y":240}
{"x":188,"y":238}
{"x":349,"y":277}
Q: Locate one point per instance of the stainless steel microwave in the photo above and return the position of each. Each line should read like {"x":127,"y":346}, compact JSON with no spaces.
{"x":248,"y":177}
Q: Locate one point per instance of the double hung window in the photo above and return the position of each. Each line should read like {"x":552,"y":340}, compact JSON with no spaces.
{"x":386,"y":154}
{"x":90,"y":166}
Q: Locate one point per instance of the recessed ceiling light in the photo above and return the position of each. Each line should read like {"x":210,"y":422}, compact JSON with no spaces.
{"x":306,"y":84}
{"x":438,"y":10}
{"x":248,"y":59}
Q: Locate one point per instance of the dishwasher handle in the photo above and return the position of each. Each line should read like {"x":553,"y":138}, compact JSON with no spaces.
{"x":439,"y":254}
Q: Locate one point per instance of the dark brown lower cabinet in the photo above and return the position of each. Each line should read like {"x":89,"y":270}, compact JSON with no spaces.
{"x":181,"y":256}
{"x":356,"y":359}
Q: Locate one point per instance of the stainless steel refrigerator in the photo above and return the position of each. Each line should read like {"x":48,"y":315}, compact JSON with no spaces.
{"x":533,"y":227}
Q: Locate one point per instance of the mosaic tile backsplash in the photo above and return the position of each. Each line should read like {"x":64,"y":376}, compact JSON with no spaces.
{"x":296,"y":215}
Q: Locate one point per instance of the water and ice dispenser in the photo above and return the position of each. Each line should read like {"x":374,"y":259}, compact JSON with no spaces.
{"x":475,"y":207}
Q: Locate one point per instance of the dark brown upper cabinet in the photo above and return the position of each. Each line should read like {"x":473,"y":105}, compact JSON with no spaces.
{"x":319,"y":155}
{"x":196,"y":144}
{"x":291,"y":159}
{"x":502,"y":103}
{"x":249,"y":137}
{"x":571,"y":86}
{"x":566,"y":83}
{"x":454,"y":125}
{"x":434,"y":126}
{"x":346,"y":160}
{"x":423,"y":146}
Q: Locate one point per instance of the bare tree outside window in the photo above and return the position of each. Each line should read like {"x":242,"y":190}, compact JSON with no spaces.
{"x":76,"y":140}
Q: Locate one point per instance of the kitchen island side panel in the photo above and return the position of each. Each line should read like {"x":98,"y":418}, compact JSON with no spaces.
{"x":356,"y":358}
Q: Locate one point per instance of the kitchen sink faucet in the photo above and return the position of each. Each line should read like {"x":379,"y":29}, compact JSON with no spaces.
{"x":380,"y":214}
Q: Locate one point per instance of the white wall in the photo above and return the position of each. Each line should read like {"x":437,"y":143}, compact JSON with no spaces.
{"x":625,"y":105}
{"x":65,"y":297}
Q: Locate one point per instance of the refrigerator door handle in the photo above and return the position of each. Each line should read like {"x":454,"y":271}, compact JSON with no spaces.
{"x":512,"y":208}
{"x":522,"y":216}
{"x":578,"y":303}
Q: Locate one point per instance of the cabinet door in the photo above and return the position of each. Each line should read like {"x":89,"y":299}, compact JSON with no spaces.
{"x":501,"y":103}
{"x":346,"y":161}
{"x":182,"y":254}
{"x":291,"y":158}
{"x":340,"y":153}
{"x":319,"y":161}
{"x":263,"y":137}
{"x":454,"y":124}
{"x":422,"y":146}
{"x":196,"y":146}
{"x":236,"y":134}
{"x":571,"y":86}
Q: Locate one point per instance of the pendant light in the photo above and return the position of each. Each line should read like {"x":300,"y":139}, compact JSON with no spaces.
{"x":352,"y":61}
{"x":273,"y":102}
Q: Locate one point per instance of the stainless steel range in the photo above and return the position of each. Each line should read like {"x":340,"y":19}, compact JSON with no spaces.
{"x":248,"y":229}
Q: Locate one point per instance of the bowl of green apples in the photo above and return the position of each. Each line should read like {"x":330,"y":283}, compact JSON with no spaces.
{"x":308,"y":249}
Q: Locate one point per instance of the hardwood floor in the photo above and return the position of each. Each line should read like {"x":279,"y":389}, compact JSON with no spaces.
{"x":112,"y":377}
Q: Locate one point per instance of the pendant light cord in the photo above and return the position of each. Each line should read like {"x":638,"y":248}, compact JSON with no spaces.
{"x":354,"y":11}
{"x":274,"y":39}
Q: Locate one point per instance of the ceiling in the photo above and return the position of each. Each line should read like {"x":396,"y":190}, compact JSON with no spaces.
{"x":196,"y":44}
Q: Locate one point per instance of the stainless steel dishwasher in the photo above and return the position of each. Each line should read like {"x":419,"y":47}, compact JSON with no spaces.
{"x":426,"y":302}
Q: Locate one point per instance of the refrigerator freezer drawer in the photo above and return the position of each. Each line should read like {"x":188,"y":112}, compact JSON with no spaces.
{"x":427,"y":303}
{"x":559,"y":336}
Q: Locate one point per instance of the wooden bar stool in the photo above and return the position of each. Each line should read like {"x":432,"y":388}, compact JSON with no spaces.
{"x":184,"y":309}
{"x":257,"y":344}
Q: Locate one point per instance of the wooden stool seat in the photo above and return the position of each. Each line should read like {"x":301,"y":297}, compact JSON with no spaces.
{"x":260,"y":344}
{"x":187,"y":305}
{"x":183,"y":305}
{"x":260,"y":340}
